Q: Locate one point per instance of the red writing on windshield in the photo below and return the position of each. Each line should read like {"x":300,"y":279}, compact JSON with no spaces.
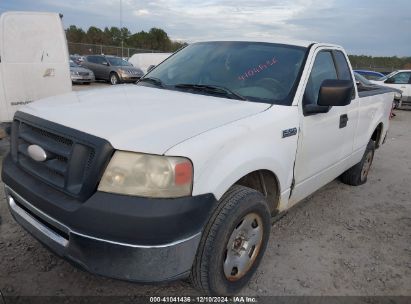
{"x":255,"y":70}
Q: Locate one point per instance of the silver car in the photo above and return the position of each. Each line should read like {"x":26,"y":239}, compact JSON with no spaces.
{"x":79,"y":74}
{"x":113,"y":69}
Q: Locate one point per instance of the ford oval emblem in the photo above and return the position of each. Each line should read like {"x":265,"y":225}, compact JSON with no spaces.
{"x":37,"y":153}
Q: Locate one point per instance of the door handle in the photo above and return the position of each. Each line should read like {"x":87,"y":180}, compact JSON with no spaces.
{"x":343,"y":121}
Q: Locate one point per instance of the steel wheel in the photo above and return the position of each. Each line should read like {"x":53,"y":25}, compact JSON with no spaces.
{"x":367,"y":165}
{"x":243,"y":246}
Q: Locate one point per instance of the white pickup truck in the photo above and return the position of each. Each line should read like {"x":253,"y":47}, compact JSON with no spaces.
{"x":180,"y":175}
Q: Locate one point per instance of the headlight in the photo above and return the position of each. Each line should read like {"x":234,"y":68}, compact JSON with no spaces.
{"x":74,"y":73}
{"x":397,"y":95}
{"x":147,"y":175}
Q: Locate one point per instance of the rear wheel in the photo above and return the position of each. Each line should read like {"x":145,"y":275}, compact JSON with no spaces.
{"x":114,"y":79}
{"x":357,"y":175}
{"x":233,"y":243}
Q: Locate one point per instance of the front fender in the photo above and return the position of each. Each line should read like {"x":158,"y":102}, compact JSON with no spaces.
{"x":225,"y":154}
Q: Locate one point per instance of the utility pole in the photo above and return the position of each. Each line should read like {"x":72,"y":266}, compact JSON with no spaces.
{"x":121,"y":26}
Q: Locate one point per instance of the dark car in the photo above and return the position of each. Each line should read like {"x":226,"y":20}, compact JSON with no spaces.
{"x":370,"y":75}
{"x":112,"y":69}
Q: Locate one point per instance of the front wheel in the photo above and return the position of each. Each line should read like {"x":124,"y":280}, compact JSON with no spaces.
{"x":114,"y":79}
{"x":233,"y":243}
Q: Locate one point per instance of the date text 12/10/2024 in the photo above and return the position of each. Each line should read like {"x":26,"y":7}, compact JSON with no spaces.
{"x":173,"y":299}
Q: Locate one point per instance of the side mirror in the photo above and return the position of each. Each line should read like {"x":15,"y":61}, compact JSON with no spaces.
{"x":150,"y":68}
{"x":389,"y":80}
{"x":335,"y":93}
{"x":332,"y":93}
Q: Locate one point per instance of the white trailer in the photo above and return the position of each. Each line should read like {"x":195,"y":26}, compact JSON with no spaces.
{"x":34,"y":60}
{"x":145,"y":60}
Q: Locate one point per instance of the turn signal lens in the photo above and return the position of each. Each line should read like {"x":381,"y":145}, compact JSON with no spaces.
{"x":183,"y":173}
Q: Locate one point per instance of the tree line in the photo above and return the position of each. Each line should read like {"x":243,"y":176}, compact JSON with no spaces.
{"x":155,"y":39}
{"x":158,"y":40}
{"x":380,"y":63}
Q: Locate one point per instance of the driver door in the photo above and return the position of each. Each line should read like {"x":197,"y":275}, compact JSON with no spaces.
{"x":326,"y":139}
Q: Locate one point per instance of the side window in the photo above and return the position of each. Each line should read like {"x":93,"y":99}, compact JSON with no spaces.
{"x":98,"y":59}
{"x":91,"y":59}
{"x":323,"y":69}
{"x":400,"y":78}
{"x":101,"y":60}
{"x":343,"y":70}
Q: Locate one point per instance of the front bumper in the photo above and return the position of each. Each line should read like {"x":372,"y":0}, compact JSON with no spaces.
{"x":129,"y":77}
{"x":136,"y":239}
{"x":81,"y":79}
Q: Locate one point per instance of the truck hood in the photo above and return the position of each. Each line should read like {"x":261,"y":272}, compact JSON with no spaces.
{"x":142,"y":119}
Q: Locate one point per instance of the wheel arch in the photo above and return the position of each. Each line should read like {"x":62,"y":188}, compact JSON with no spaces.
{"x":265,"y":182}
{"x":377,"y":134}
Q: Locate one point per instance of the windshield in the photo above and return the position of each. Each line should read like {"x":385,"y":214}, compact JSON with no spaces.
{"x":115,"y":61}
{"x":387,"y":76}
{"x":261,"y":72}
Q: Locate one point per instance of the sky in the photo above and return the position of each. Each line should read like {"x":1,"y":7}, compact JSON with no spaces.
{"x":369,"y":27}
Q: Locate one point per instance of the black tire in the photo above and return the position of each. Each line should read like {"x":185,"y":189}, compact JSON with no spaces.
{"x":114,"y":79}
{"x":229,"y":217}
{"x":357,"y":175}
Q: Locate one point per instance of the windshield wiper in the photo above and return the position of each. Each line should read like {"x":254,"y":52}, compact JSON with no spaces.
{"x":213,"y":89}
{"x":153,"y":80}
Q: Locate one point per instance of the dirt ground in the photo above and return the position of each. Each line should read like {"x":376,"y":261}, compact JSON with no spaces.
{"x":340,"y":241}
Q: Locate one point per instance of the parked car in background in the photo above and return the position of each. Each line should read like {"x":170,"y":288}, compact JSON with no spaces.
{"x":80,"y":74}
{"x":112,"y":69}
{"x":400,"y":80}
{"x":371,"y":75}
{"x":75,"y":58}
{"x":146,"y":61}
{"x":80,"y":60}
{"x":364,"y":85}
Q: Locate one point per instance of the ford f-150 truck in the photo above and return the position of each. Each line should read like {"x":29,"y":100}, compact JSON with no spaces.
{"x":181,"y":175}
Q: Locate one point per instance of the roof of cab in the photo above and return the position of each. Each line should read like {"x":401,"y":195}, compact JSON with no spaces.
{"x":301,"y":43}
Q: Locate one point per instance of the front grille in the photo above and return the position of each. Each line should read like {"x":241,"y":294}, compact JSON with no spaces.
{"x":74,"y":162}
{"x":58,"y":149}
{"x":83,"y":73}
{"x":133,"y":72}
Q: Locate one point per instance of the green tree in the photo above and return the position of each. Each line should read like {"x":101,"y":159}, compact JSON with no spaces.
{"x":94,"y":35}
{"x":75,"y":34}
{"x":159,"y":39}
{"x":155,"y":39}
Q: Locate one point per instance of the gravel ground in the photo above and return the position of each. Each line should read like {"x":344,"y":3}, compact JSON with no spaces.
{"x":340,"y":241}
